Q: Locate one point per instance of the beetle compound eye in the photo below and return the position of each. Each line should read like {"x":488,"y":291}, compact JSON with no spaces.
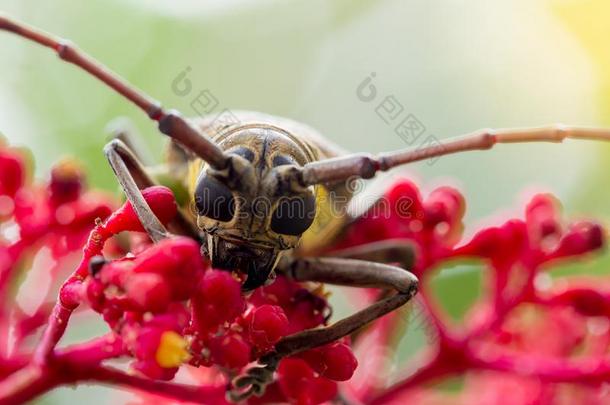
{"x":243,"y":152}
{"x":281,"y":160}
{"x":214,"y":200}
{"x":294,"y":215}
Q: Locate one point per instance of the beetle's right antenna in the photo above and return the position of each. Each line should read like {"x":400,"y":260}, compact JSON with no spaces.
{"x":366,"y":166}
{"x":171,"y":123}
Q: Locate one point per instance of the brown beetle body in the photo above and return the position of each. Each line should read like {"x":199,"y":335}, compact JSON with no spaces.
{"x":247,"y":240}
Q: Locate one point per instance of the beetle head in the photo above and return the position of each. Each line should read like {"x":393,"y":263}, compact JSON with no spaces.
{"x":250,"y":216}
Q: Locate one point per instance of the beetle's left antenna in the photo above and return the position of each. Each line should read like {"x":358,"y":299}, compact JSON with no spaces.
{"x":171,"y":123}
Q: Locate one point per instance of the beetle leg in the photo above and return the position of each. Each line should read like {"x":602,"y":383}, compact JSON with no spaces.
{"x":123,"y":129}
{"x":384,"y":251}
{"x":352,"y":273}
{"x":395,"y":251}
{"x":180,"y":224}
{"x":122,"y":161}
{"x":133,"y":177}
{"x":330,"y":270}
{"x":366,"y":166}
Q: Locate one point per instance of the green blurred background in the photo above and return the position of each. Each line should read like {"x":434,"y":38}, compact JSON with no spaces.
{"x":457,"y":66}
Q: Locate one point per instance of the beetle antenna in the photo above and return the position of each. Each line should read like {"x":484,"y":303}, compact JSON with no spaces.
{"x":170,"y":122}
{"x":366,"y":166}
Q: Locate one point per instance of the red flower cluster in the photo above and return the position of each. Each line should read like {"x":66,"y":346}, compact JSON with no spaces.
{"x":501,"y":356}
{"x":167,"y":310}
{"x":54,"y":217}
{"x":165,"y":306}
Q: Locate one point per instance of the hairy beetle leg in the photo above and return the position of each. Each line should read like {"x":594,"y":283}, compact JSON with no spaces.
{"x":133,"y":177}
{"x":254,"y":381}
{"x":330,"y":270}
{"x":130,"y":175}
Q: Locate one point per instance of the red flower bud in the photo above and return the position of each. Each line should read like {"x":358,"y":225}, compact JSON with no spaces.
{"x":148,"y":291}
{"x":586,"y":301}
{"x":116,"y":272}
{"x":178,"y":260}
{"x":335,"y":361}
{"x":66,"y":184}
{"x":501,"y":244}
{"x":405,"y":200}
{"x":161,"y":201}
{"x":164,"y":273}
{"x":308,"y":311}
{"x":542,"y":218}
{"x":217,"y":300}
{"x":582,"y":237}
{"x":280,"y":292}
{"x":266,"y":325}
{"x":230,"y":351}
{"x":95,"y":294}
{"x":445,"y":204}
{"x":157,"y":345}
{"x":300,"y":385}
{"x":12,"y":172}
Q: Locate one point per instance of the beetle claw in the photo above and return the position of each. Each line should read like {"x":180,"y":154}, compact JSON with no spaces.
{"x":253,"y":382}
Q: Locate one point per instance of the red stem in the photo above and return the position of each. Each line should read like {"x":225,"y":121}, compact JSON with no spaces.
{"x":69,"y":296}
{"x":191,"y":393}
{"x":26,"y":384}
{"x":591,"y":370}
{"x":58,"y":322}
{"x":7,"y":273}
{"x":82,"y":363}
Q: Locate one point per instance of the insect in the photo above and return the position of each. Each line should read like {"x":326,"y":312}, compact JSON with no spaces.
{"x":262,"y":189}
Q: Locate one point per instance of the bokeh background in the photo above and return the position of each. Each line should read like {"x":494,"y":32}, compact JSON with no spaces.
{"x":455,"y":65}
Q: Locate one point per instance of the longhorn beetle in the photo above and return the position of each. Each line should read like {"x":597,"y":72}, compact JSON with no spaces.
{"x":272,"y":158}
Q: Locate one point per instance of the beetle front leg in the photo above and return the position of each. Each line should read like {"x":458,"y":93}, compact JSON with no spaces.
{"x":130,"y":176}
{"x":398,"y":251}
{"x":133,"y":177}
{"x":331,"y":270}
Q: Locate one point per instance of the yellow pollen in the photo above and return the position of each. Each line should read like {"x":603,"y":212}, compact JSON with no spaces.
{"x":172,"y":350}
